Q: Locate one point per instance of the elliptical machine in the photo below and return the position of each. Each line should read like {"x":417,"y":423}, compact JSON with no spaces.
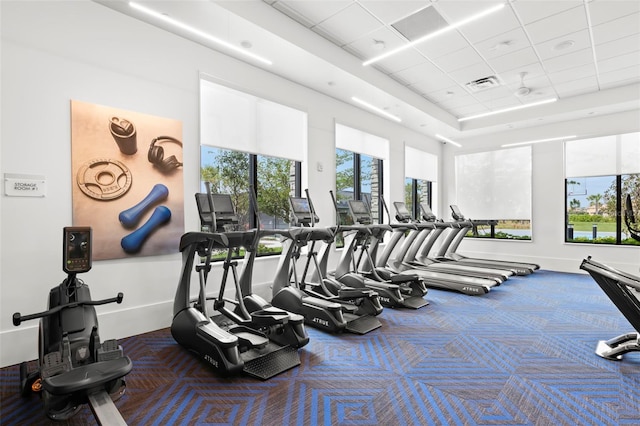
{"x":325,"y":304}
{"x":74,"y":367}
{"x":248,"y":334}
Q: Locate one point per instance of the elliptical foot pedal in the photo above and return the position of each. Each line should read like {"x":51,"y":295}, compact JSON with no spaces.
{"x":272,"y":363}
{"x":415,"y":302}
{"x":361,"y":325}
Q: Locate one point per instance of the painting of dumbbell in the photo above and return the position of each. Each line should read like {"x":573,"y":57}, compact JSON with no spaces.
{"x":133,"y":242}
{"x":127,"y":180}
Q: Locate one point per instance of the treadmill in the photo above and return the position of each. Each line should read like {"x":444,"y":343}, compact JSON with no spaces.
{"x":418,"y":253}
{"x":447,"y":250}
{"x":409,"y":230}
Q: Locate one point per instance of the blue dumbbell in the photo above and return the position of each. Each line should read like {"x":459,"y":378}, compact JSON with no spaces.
{"x":130,"y":217}
{"x":133,"y":242}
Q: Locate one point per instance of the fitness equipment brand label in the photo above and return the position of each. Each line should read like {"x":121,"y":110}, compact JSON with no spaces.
{"x":19,"y":185}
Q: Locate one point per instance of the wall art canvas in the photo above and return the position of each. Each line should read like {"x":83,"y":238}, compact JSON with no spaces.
{"x":127,"y":179}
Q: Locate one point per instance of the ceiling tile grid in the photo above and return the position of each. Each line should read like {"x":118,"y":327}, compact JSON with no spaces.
{"x":534,"y":48}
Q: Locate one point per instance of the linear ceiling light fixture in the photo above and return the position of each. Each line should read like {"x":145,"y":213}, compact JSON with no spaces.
{"x":197,"y":32}
{"x":443,"y":139}
{"x":539,"y":140}
{"x":500,"y":111}
{"x":376,"y":109}
{"x":435,"y":34}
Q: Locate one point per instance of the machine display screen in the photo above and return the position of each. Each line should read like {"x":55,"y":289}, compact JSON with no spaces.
{"x":401,"y":208}
{"x":358,"y":207}
{"x":77,"y":249}
{"x":300,"y":205}
{"x":221,"y":203}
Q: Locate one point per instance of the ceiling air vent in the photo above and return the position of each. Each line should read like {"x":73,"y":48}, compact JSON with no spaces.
{"x":483,"y":84}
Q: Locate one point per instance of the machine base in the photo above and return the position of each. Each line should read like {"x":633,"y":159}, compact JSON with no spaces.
{"x":415,"y":302}
{"x":361,"y":324}
{"x":270,"y":361}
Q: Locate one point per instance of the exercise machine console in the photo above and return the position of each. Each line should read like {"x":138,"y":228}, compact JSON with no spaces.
{"x":74,"y":367}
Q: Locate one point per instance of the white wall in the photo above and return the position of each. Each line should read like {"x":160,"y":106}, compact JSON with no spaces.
{"x":547,"y":246}
{"x":53,"y":52}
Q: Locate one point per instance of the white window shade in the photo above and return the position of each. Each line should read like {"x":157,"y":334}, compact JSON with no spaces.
{"x":355,"y":140}
{"x":495,"y":184}
{"x":604,"y":156}
{"x":629,"y":153}
{"x":591,"y":157}
{"x":239,"y":121}
{"x":420,"y":165}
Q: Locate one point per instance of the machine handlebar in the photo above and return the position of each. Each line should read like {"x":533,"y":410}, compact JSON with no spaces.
{"x":17,"y":318}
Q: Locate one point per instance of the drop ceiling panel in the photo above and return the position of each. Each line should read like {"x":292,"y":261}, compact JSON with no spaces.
{"x":602,"y":11}
{"x":503,"y":44}
{"x":434,"y":82}
{"x":403,"y":60}
{"x":616,"y":29}
{"x":493,"y":94}
{"x":515,"y":60}
{"x":349,"y":24}
{"x":613,"y":78}
{"x":499,"y":103}
{"x":617,"y":47}
{"x":365,"y":47}
{"x":568,"y":61}
{"x":490,"y":26}
{"x":567,"y":22}
{"x":470,"y":110}
{"x":442,"y":95}
{"x":619,"y":62}
{"x":458,"y":101}
{"x":566,"y":44}
{"x":454,"y":11}
{"x":443,"y":44}
{"x":423,"y":71}
{"x":572,"y":73}
{"x":458,"y":59}
{"x":313,"y":11}
{"x":577,"y":86}
{"x":389,"y":12}
{"x":535,"y":10}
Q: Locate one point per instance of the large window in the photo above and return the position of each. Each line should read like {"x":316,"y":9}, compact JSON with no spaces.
{"x":359,"y":170}
{"x":421,"y":171}
{"x":249,"y":142}
{"x":496,"y":186}
{"x":599,"y":175}
{"x":416,"y":192}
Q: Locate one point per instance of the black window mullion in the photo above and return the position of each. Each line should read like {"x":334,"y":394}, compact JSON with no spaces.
{"x":415,"y":202}
{"x":380,"y":189}
{"x":357,"y":191}
{"x":253,"y":183}
{"x":619,"y":209}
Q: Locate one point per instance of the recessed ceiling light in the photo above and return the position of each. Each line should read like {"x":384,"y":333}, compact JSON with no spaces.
{"x":197,"y":32}
{"x":564,"y":45}
{"x":376,"y":109}
{"x":435,"y":34}
{"x":500,"y":111}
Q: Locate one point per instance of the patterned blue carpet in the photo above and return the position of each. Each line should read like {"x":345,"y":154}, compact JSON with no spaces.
{"x":521,"y":355}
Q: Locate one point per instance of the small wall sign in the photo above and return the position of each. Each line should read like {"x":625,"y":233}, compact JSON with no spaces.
{"x":20,"y":185}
